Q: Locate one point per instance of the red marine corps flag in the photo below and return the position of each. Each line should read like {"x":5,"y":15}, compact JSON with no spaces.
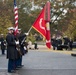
{"x":42,"y":24}
{"x":16,"y":17}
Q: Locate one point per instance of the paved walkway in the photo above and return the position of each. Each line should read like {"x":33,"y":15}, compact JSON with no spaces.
{"x":43,"y":62}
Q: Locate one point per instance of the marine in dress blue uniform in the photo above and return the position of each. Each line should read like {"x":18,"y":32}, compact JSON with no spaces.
{"x":21,"y":38}
{"x":11,"y":50}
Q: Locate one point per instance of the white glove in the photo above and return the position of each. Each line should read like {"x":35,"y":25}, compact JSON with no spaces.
{"x":24,"y":48}
{"x":17,"y":42}
{"x":26,"y":33}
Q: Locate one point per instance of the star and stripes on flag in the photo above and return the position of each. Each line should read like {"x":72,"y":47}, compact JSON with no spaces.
{"x":16,"y":17}
{"x":41,"y":24}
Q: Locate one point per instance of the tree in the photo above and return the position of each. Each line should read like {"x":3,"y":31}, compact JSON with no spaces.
{"x":71,"y":31}
{"x":61,"y":11}
{"x":60,"y":15}
{"x":5,"y":17}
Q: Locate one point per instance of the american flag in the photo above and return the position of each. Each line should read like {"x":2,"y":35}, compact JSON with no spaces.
{"x":16,"y":17}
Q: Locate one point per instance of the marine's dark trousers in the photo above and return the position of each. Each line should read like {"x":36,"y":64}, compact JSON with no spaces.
{"x":11,"y":65}
{"x":3,"y":51}
{"x":19,"y":62}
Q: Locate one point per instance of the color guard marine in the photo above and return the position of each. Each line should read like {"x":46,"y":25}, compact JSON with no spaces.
{"x":11,"y":50}
{"x":21,"y":38}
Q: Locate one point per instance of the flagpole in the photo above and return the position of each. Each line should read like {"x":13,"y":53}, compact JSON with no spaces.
{"x":27,"y":35}
{"x":29,"y":29}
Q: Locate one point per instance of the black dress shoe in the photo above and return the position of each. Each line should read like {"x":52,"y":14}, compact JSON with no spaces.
{"x":22,"y":65}
{"x":12,"y":71}
{"x":17,"y":69}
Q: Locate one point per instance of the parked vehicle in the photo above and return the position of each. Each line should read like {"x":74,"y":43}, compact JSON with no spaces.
{"x":74,"y":44}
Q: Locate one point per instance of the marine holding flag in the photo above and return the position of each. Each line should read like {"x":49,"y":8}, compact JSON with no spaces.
{"x":42,"y":24}
{"x":20,"y":37}
{"x":12,"y":53}
{"x":15,"y":46}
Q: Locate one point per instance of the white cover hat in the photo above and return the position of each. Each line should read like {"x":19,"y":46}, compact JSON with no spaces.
{"x":11,"y":28}
{"x":19,"y":29}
